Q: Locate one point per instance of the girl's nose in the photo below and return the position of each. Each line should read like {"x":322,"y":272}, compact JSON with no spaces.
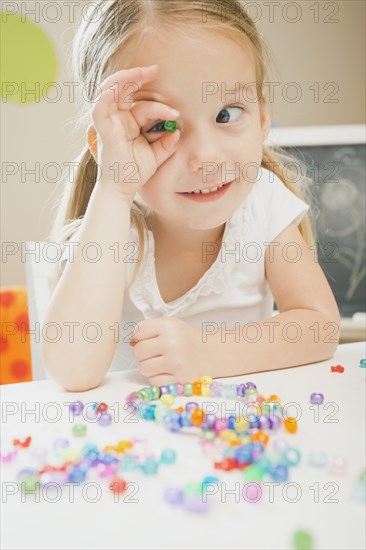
{"x":203,"y":150}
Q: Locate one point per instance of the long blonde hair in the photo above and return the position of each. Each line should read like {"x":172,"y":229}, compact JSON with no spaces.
{"x":108,"y":28}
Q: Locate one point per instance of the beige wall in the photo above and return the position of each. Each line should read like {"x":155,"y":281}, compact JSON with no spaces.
{"x":309,"y":53}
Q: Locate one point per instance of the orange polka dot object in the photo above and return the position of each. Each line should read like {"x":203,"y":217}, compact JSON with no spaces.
{"x":15,"y":350}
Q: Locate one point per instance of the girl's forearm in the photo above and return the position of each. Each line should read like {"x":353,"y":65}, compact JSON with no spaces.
{"x":88,"y":299}
{"x":289,"y":339}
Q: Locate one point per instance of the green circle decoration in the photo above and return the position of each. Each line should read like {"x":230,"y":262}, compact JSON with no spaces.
{"x":28,"y":60}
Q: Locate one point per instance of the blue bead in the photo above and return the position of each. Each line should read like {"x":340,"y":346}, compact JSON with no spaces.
{"x":279,"y":472}
{"x":76,"y":475}
{"x":211,"y":479}
{"x":231,"y":423}
{"x":172,"y":389}
{"x":150,"y":466}
{"x":168,"y":456}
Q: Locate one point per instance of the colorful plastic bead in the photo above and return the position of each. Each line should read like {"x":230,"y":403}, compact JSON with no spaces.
{"x":167,"y":399}
{"x":150,"y":466}
{"x":79,"y":430}
{"x":302,"y":540}
{"x":290,"y":424}
{"x":196,"y":388}
{"x":188,"y":389}
{"x":168,"y":456}
{"x":117,"y":485}
{"x":76,"y":408}
{"x":316,"y":398}
{"x":173,"y":496}
{"x":22,"y":443}
{"x":337,"y":368}
{"x":363,"y":363}
{"x":318,"y":459}
{"x":170,"y":125}
{"x":105,"y":419}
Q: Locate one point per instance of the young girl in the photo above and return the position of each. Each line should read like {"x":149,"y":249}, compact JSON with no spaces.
{"x":189,"y":277}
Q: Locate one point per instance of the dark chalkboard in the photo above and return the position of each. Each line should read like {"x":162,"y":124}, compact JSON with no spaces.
{"x":338,"y":174}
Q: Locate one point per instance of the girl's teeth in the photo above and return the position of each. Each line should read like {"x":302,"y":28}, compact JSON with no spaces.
{"x":205,"y":191}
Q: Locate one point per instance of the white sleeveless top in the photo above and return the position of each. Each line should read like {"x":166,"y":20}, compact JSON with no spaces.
{"x":234,"y":289}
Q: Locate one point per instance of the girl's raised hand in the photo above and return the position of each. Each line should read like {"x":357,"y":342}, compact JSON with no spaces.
{"x":126,"y":160}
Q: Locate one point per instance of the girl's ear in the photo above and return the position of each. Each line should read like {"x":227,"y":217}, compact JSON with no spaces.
{"x":92,"y":141}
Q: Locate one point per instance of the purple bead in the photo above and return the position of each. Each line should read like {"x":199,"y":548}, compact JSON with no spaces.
{"x":241,"y":390}
{"x":191,"y":405}
{"x":264,"y":422}
{"x":209,"y":422}
{"x":317,"y":398}
{"x":249,"y":385}
{"x":55,"y":477}
{"x":105,"y":419}
{"x":275,"y":422}
{"x":195,"y":503}
{"x":164,"y":389}
{"x":173,"y":496}
{"x":76,"y":407}
{"x":216,"y":389}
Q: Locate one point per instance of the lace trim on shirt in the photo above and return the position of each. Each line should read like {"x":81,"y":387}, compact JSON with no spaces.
{"x":144,"y":293}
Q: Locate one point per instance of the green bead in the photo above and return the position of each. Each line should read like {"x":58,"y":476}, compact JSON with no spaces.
{"x":29,"y":483}
{"x":363,"y":363}
{"x":193,"y":489}
{"x":209,"y":435}
{"x":252,"y":473}
{"x":302,"y":540}
{"x":188,"y":390}
{"x":145,"y":394}
{"x":170,"y":125}
{"x":155,"y":391}
{"x":79,"y":430}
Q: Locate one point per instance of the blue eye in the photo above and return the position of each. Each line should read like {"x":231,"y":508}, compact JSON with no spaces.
{"x":160,"y":124}
{"x":224,"y":118}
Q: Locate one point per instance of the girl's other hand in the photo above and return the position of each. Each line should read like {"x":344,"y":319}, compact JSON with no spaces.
{"x":170,"y":350}
{"x":125,"y":158}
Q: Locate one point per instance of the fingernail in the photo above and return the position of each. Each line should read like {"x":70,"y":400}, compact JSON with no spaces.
{"x":175,"y":112}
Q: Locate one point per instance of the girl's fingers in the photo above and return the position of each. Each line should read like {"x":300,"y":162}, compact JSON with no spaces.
{"x":148,"y":112}
{"x":123,"y":84}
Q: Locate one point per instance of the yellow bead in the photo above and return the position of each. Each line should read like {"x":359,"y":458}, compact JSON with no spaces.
{"x":206,"y":380}
{"x":123,"y":445}
{"x":72,"y":455}
{"x":167,"y":399}
{"x":205,"y":390}
{"x":241,"y":424}
{"x":228,"y":435}
{"x":110,"y":448}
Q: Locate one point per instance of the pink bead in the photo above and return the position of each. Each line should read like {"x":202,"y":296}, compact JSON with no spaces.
{"x":338,"y":465}
{"x":106,"y":470}
{"x":220,"y":425}
{"x":180,"y":389}
{"x":8,"y":457}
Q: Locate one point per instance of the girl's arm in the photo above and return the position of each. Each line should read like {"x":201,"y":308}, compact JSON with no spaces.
{"x":308,"y":326}
{"x":89,"y":293}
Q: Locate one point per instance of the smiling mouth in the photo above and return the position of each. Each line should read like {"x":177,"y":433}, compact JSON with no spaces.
{"x":205,"y":191}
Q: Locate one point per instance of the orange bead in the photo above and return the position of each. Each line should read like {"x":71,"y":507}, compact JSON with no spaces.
{"x":197,"y":417}
{"x":260,"y":436}
{"x":179,"y":409}
{"x":274,"y":398}
{"x":290,"y":424}
{"x":196,"y":388}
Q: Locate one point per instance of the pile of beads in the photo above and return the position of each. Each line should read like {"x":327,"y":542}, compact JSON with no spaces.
{"x":233,"y":429}
{"x":245,"y":438}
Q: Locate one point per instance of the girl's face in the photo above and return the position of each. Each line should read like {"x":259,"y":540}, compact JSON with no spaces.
{"x":222,"y":127}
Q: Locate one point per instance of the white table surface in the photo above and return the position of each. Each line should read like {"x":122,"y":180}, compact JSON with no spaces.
{"x":335,"y":519}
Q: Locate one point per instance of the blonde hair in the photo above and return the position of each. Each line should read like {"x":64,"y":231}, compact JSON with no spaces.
{"x":113,"y":24}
